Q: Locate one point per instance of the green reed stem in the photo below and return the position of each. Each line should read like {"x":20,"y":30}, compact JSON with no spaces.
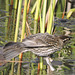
{"x":5,"y":71}
{"x":44,"y":16}
{"x":36,"y":19}
{"x":37,"y":9}
{"x":14,"y":16}
{"x":63,"y":4}
{"x":24,"y":20}
{"x":42,"y":27}
{"x":23,"y":32}
{"x":33,"y":9}
{"x":33,"y":72}
{"x":40,"y":23}
{"x":41,"y":63}
{"x":35,"y":27}
{"x":12,"y":68}
{"x":18,"y":19}
{"x":15,"y":7}
{"x":2,"y":73}
{"x":51,"y":13}
{"x":60,"y":8}
{"x":17,"y":25}
{"x":36,"y":15}
{"x":7,"y":14}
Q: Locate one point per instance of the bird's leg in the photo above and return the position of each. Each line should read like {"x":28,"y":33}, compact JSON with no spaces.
{"x":49,"y":63}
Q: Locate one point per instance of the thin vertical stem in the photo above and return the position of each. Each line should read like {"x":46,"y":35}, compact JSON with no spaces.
{"x":37,"y":9}
{"x":7,"y":14}
{"x":28,"y":6}
{"x":12,"y":67}
{"x":51,"y":13}
{"x":36,"y":15}
{"x":17,"y":22}
{"x":24,"y":20}
{"x":32,"y":11}
{"x":43,"y":28}
{"x":22,"y":36}
{"x":44,"y":16}
{"x":41,"y":63}
{"x":14,"y":16}
{"x":18,"y":19}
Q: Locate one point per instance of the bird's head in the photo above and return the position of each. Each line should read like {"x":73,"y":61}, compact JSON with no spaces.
{"x":65,"y":38}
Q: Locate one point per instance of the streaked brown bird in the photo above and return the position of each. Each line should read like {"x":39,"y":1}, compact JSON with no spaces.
{"x":41,"y":44}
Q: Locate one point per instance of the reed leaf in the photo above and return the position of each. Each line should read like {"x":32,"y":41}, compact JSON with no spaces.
{"x":70,"y":13}
{"x":33,"y":9}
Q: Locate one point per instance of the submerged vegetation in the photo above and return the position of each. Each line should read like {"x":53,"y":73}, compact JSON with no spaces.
{"x":21,"y":18}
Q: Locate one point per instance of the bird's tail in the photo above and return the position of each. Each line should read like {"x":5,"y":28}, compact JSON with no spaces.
{"x":12,"y":49}
{"x":1,"y":57}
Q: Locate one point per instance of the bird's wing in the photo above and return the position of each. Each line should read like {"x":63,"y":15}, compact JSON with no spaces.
{"x":40,"y":40}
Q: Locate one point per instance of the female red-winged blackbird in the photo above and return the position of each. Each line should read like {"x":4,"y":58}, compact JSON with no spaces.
{"x":41,"y":44}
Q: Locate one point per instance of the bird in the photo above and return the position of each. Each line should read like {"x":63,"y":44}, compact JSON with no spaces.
{"x":41,"y":44}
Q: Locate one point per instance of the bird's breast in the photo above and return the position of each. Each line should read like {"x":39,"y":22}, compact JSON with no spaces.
{"x":44,"y":51}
